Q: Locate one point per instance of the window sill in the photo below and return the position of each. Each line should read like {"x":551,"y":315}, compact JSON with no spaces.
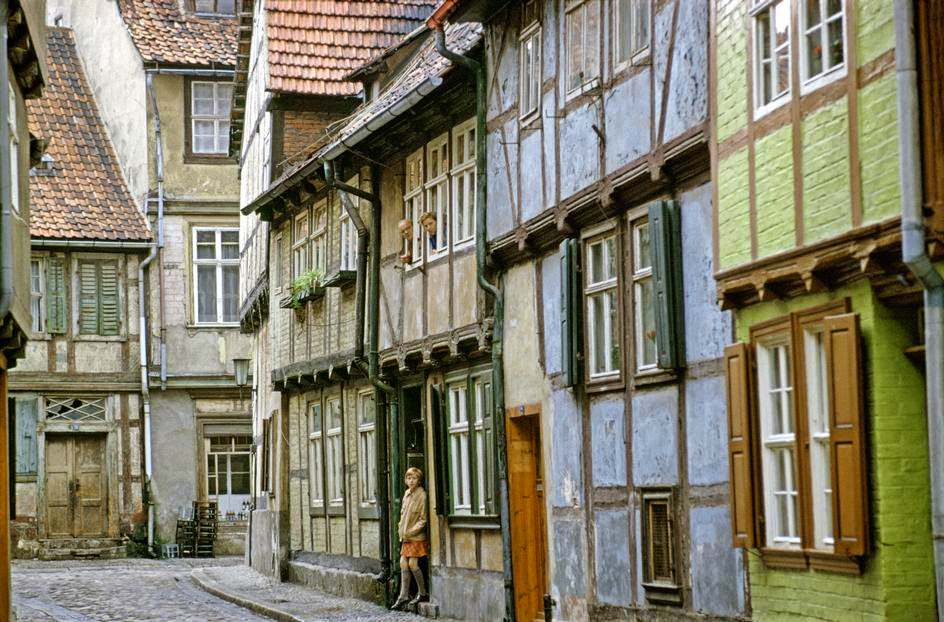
{"x":654,"y":377}
{"x":663,"y":593}
{"x":312,"y":293}
{"x":100,"y":338}
{"x":528,"y":118}
{"x":25,"y":478}
{"x":335,"y":510}
{"x":817,"y":82}
{"x":584,"y":88}
{"x":340,"y":278}
{"x":604,"y":385}
{"x":766,"y":109}
{"x":473,"y":521}
{"x":208,"y":158}
{"x":811,"y":559}
{"x":368,"y":512}
{"x":212,"y":326}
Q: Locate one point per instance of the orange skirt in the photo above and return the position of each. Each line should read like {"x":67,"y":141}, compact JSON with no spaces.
{"x":415,"y":549}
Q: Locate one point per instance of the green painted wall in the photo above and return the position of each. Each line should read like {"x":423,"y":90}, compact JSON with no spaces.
{"x":878,"y":150}
{"x":733,"y":211}
{"x":875,"y":30}
{"x":732,"y":63}
{"x":898,"y":581}
{"x":827,"y":209}
{"x":776,"y":222}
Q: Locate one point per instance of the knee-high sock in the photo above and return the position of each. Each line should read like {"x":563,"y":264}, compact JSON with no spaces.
{"x":404,"y":584}
{"x":420,"y":582}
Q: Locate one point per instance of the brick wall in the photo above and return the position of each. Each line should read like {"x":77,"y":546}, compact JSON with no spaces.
{"x":878,"y":150}
{"x":776,"y":224}
{"x":827,"y":207}
{"x":731,"y":77}
{"x":733,"y":211}
{"x":303,"y":132}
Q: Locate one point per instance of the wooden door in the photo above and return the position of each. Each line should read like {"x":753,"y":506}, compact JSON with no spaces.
{"x":528,"y":548}
{"x":75,"y":485}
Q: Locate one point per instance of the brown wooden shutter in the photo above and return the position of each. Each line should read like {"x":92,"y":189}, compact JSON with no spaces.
{"x":847,"y":435}
{"x":738,"y":383}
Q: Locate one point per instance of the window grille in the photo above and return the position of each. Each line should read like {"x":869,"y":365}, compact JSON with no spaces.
{"x":75,"y":409}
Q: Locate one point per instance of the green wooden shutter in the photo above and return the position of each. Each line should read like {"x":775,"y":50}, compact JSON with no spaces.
{"x":665,"y":236}
{"x":55,"y":296}
{"x":571,"y":328}
{"x":88,"y":298}
{"x":441,"y":448}
{"x":488,"y":427}
{"x":26,"y":413}
{"x":108,"y":310}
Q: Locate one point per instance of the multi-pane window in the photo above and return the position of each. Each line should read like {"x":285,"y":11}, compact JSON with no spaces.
{"x":215,"y":7}
{"x":228,"y":465}
{"x":582,"y":48}
{"x":771,"y":51}
{"x":413,"y":206}
{"x":459,"y":458}
{"x":37,"y":294}
{"x":470,"y":444}
{"x":435,"y":220}
{"x":334,"y":454}
{"x":348,"y":242}
{"x":209,"y":117}
{"x":277,"y":272}
{"x":367,"y":451}
{"x":216,"y":270}
{"x":530,"y":59}
{"x":644,"y":320}
{"x":300,"y":245}
{"x":600,"y":291}
{"x":823,"y":27}
{"x":817,"y":407}
{"x":463,"y":182}
{"x":315,"y":455}
{"x":778,"y":440}
{"x":631,"y":23}
{"x":319,"y":238}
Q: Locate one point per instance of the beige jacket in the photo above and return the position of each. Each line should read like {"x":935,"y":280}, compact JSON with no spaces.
{"x":413,"y":516}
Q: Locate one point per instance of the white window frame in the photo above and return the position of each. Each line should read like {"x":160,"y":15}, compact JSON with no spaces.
{"x":219,"y":119}
{"x":460,"y":451}
{"x":530,"y":70}
{"x":592,"y":78}
{"x":813,"y":82}
{"x":277,"y":273}
{"x":463,"y":172}
{"x":348,"y":258}
{"x":817,"y":406}
{"x":413,"y":204}
{"x":14,"y":152}
{"x":38,"y":294}
{"x":301,"y":262}
{"x":334,"y":452}
{"x":220,"y":263}
{"x":367,"y":450}
{"x":775,"y":445}
{"x":608,"y":289}
{"x":642,"y":275}
{"x":761,"y":7}
{"x":318,"y":231}
{"x":637,"y":52}
{"x":316,"y":492}
{"x":437,"y":195}
{"x":479,"y":385}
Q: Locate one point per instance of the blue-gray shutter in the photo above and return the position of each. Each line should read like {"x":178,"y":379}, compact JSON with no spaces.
{"x":571,"y":327}
{"x":26,"y":415}
{"x":665,"y":236}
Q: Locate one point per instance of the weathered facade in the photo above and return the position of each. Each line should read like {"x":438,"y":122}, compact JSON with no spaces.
{"x":23,"y":74}
{"x":828,"y":432}
{"x":165,"y":102}
{"x":76,"y":393}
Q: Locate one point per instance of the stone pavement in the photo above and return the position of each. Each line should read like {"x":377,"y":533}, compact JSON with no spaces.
{"x":288,"y":601}
{"x":129,"y":590}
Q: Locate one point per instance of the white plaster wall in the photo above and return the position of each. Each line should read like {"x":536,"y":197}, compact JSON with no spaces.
{"x":115,"y":73}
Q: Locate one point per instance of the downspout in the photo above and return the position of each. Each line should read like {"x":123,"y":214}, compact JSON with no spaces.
{"x":381,"y":388}
{"x":916,"y":257}
{"x":481,"y":231}
{"x":159,"y":165}
{"x":6,"y":178}
{"x":345,"y":191}
{"x":155,"y":249}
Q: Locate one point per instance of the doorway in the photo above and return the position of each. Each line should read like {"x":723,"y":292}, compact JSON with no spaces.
{"x":227,"y":473}
{"x":526,"y":500}
{"x":75,"y":485}
{"x":412,"y":453}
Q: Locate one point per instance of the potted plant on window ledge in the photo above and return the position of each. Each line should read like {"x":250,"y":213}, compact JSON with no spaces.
{"x":307,"y":286}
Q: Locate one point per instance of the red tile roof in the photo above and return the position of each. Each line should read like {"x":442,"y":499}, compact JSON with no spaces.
{"x":82,"y":194}
{"x":163,"y":33}
{"x":314,"y":44}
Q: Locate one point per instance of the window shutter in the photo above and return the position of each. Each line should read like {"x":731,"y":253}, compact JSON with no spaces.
{"x":665,"y":235}
{"x":571,"y":328}
{"x":55,"y":296}
{"x":88,"y":298}
{"x":443,"y":486}
{"x":738,"y":384}
{"x":109,"y":314}
{"x":847,"y":435}
{"x":26,"y":413}
{"x":490,"y":461}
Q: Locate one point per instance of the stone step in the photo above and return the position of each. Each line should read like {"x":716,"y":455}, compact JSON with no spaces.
{"x":114,"y":552}
{"x":80,"y":543}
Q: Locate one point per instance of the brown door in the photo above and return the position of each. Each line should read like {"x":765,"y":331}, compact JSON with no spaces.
{"x":528,"y":548}
{"x":75,"y":485}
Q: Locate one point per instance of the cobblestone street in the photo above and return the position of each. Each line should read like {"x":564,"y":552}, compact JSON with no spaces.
{"x":139,"y":589}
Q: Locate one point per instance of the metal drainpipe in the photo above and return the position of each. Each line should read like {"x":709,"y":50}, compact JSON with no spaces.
{"x":381,"y":388}
{"x":6,"y":179}
{"x":145,"y":383}
{"x":916,"y":257}
{"x":498,"y":387}
{"x":345,"y":191}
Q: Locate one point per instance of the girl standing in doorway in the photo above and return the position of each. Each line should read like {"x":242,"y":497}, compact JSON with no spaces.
{"x":414,"y":542}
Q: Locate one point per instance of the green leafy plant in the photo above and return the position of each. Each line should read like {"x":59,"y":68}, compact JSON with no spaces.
{"x":304,"y":282}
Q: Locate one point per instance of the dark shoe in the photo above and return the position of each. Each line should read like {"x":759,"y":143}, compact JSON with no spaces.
{"x":400,"y":604}
{"x":419,"y":598}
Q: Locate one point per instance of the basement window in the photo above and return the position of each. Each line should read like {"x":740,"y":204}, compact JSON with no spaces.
{"x":660,"y":568}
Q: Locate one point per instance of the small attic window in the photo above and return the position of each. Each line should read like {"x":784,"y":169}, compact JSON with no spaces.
{"x":214,"y":7}
{"x":45,"y":166}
